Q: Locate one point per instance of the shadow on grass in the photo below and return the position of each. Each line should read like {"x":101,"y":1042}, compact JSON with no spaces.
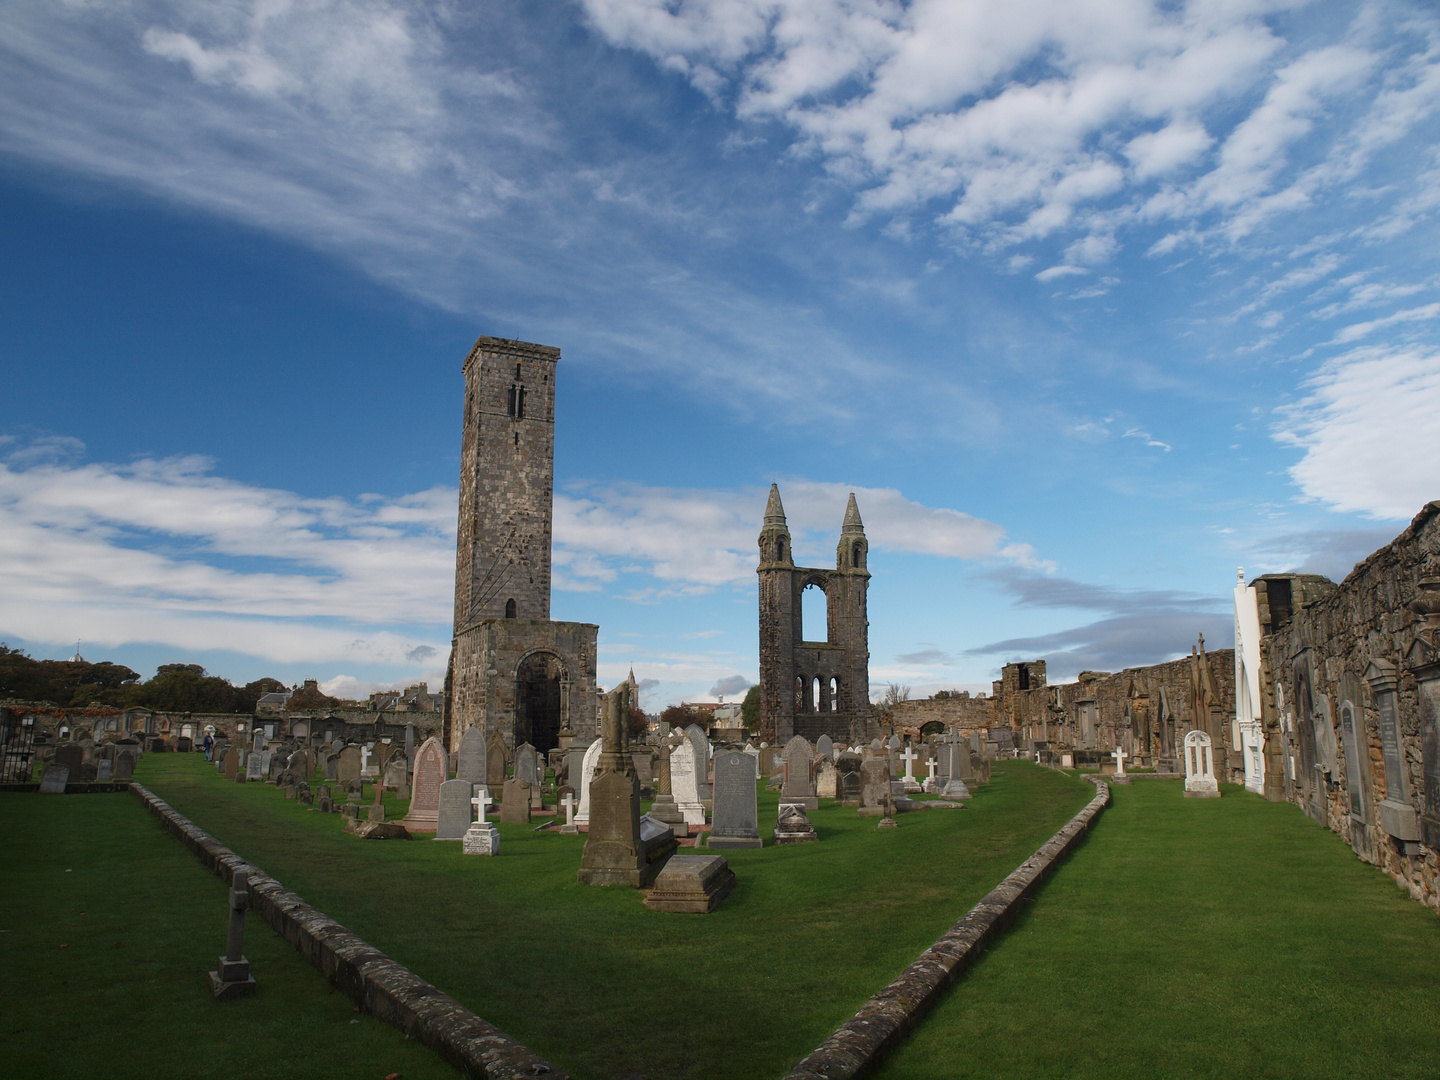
{"x":591,"y":979}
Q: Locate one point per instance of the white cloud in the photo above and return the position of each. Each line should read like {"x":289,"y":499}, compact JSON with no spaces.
{"x":1356,"y":331}
{"x":695,"y":540}
{"x":1367,"y":427}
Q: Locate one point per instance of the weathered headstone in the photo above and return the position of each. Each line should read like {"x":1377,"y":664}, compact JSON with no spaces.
{"x":515,"y":805}
{"x":793,"y":825}
{"x":257,"y":766}
{"x":1200,"y":767}
{"x":103,"y":769}
{"x":684,"y":785}
{"x":453,"y":817}
{"x":54,"y":780}
{"x":826,"y":780}
{"x":525,"y":765}
{"x":692,"y":883}
{"x":799,"y":785}
{"x":395,"y":779}
{"x":124,"y":763}
{"x":470,"y":758}
{"x":848,"y":783}
{"x":735,"y":819}
{"x":621,"y":848}
{"x":347,"y":765}
{"x":71,"y":757}
{"x":825,"y":747}
{"x":431,"y":768}
{"x":495,"y":761}
{"x":332,"y":766}
{"x":875,"y":785}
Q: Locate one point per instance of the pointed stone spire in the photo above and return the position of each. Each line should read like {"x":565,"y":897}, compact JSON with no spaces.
{"x":774,"y":512}
{"x":853,"y":524}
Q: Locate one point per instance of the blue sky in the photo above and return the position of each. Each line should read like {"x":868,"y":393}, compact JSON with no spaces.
{"x":1088,"y":301}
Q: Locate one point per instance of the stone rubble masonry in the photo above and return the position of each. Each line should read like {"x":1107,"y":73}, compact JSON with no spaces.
{"x":1314,"y":663}
{"x":857,"y":1046}
{"x":379,"y":985}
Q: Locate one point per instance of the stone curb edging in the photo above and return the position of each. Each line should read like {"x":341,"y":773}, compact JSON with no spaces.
{"x":859,"y":1044}
{"x":381,"y":986}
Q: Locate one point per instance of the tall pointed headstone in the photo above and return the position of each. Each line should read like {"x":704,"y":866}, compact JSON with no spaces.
{"x":470,"y":758}
{"x":431,"y":770}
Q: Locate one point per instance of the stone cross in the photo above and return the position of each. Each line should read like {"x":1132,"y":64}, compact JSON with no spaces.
{"x":931,"y":765}
{"x":482,"y":796}
{"x":1119,"y":755}
{"x":569,"y":803}
{"x":909,"y":757}
{"x":364,"y":758}
{"x":231,"y":978}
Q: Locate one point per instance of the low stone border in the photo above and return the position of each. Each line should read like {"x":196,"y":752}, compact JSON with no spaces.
{"x":74,"y":787}
{"x":859,"y":1044}
{"x":379,"y":985}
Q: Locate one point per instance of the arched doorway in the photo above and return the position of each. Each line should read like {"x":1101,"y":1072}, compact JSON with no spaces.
{"x":537,"y":701}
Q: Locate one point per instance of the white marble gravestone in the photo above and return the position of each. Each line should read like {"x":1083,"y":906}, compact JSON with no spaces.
{"x":683,"y":784}
{"x":1200,"y":767}
{"x":702,"y":759}
{"x":481,"y":838}
{"x":587,"y":773}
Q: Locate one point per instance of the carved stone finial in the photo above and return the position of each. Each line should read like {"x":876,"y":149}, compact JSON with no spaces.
{"x":1240,"y":574}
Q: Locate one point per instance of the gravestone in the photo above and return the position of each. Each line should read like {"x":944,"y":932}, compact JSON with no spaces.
{"x":692,"y":883}
{"x":664,"y":808}
{"x":481,"y":838}
{"x":702,"y":759}
{"x":685,"y":786}
{"x":1200,"y":767}
{"x":395,"y":778}
{"x":324,"y":801}
{"x":347,"y":765}
{"x":825,"y":747}
{"x":826,"y":779}
{"x":526,"y":765}
{"x":431,"y":768}
{"x":276,"y":765}
{"x":495,"y":761}
{"x":124,"y":763}
{"x":799,"y":784}
{"x":103,"y":769}
{"x":770,"y":760}
{"x":232,"y":763}
{"x":848,"y":783}
{"x":735,"y":819}
{"x":793,"y":825}
{"x":875,"y":786}
{"x":453,"y":816}
{"x":470,"y":758}
{"x":257,"y":765}
{"x":332,"y":766}
{"x":621,"y":848}
{"x":71,"y":757}
{"x":587,"y":773}
{"x":515,"y":806}
{"x":54,"y":780}
{"x":409,"y":742}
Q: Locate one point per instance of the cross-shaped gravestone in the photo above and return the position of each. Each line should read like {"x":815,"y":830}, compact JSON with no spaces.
{"x":931,"y":766}
{"x":1119,"y":755}
{"x":570,"y":804}
{"x":909,"y":757}
{"x":364,"y":758}
{"x":482,"y":796}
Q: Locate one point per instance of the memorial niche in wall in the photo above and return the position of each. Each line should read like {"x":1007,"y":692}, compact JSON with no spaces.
{"x":538,"y":701}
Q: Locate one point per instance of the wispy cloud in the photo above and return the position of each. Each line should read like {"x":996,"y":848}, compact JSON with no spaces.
{"x":1365,"y":427}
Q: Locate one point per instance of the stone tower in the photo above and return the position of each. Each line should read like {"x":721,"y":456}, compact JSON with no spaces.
{"x":507,"y":479}
{"x":818,"y":687}
{"x":512,"y":669}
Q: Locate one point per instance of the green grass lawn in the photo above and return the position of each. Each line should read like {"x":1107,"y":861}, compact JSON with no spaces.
{"x":605,"y":988}
{"x":1198,"y":938}
{"x":107,"y":929}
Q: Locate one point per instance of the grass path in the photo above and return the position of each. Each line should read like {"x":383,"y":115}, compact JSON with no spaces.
{"x":606,"y":989}
{"x":1198,"y":938}
{"x":107,"y":928}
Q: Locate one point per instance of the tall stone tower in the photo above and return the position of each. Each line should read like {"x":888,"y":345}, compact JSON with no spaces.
{"x":814,"y":687}
{"x":512,"y":669}
{"x":507,"y":482}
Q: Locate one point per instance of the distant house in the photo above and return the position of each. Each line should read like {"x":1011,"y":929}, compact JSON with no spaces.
{"x":275,"y":702}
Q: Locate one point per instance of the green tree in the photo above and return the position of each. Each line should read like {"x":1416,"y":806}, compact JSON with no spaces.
{"x":750,"y":709}
{"x":187,"y":688}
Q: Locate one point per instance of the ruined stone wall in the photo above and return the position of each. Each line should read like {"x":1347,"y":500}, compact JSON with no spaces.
{"x":1147,"y":710}
{"x":1317,"y":663}
{"x":966,"y":714}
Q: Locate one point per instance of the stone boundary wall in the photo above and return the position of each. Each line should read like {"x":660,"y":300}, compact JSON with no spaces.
{"x":379,"y":985}
{"x":859,"y":1044}
{"x":967,"y":714}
